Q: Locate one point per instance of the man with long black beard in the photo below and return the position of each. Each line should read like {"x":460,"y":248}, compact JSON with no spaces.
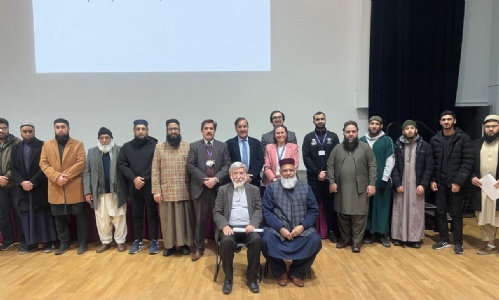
{"x":290,"y":210}
{"x":63,"y":160}
{"x":104,"y":189}
{"x":486,"y":153}
{"x":134,"y":160}
{"x":351,"y":171}
{"x":170,"y":187}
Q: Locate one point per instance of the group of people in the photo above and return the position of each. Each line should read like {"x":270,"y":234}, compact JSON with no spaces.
{"x":362,"y":190}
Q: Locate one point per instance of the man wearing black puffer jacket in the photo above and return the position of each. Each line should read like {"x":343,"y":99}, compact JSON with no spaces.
{"x":453,"y":156}
{"x":135,"y":161}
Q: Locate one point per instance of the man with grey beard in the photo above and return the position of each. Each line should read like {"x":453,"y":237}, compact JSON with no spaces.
{"x":104,"y":190}
{"x":290,"y":210}
{"x":351,"y":171}
{"x":239,"y":206}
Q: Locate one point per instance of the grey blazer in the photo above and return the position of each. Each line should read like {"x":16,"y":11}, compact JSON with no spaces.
{"x":268,"y":138}
{"x":93,"y":176}
{"x":196,"y":164}
{"x":223,"y":205}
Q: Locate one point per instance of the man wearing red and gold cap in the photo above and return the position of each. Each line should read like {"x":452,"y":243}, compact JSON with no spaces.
{"x":290,"y":210}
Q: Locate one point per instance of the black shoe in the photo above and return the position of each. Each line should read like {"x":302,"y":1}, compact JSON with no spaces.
{"x":63,"y":247}
{"x":385,"y":241}
{"x":227,"y":288}
{"x":458,"y":249}
{"x":253,"y":287}
{"x":332,"y":237}
{"x":370,"y":238}
{"x":238,"y":249}
{"x":397,"y":243}
{"x":185,"y":250}
{"x":82,"y":248}
{"x":168,"y":252}
{"x":416,"y":245}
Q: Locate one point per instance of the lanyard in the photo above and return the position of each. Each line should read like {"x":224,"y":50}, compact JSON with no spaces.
{"x":279,"y":156}
{"x":323,"y":140}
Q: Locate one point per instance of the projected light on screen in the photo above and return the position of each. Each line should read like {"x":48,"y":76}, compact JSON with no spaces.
{"x":151,"y":35}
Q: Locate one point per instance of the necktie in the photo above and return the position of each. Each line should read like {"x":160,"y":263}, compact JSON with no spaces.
{"x":245,"y":153}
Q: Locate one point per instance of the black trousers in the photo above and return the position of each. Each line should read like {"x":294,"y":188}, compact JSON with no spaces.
{"x":321,"y":193}
{"x":445,"y":200}
{"x":228,"y":246}
{"x":61,"y":225}
{"x":9,"y":198}
{"x":141,"y":198}
{"x":202,"y":207}
{"x":298,"y":268}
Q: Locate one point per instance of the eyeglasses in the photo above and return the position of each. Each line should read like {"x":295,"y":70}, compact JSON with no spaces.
{"x":276,"y":117}
{"x":4,"y":128}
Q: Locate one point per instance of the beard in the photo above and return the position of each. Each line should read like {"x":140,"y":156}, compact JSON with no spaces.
{"x":490,"y":138}
{"x":62,"y":139}
{"x":350,"y":146}
{"x":238,"y":184}
{"x":105,"y":148}
{"x":174,"y":141}
{"x":141,"y":141}
{"x":289,"y":183}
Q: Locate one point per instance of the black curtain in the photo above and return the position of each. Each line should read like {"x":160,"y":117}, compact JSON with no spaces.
{"x":415,"y":53}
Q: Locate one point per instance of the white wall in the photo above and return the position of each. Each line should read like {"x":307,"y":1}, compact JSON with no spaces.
{"x":315,"y":66}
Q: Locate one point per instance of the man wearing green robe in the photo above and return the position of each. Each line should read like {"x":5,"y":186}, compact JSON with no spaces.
{"x":378,"y":222}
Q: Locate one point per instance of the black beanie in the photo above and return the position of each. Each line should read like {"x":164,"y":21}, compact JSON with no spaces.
{"x":104,"y":130}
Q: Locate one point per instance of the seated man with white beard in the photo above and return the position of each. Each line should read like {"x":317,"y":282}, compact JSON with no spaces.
{"x":238,"y":205}
{"x":290,"y":210}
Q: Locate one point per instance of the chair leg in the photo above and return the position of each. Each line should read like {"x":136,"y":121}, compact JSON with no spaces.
{"x":218,"y":261}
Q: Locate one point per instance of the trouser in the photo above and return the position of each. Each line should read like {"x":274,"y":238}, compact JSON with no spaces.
{"x":352,"y":227}
{"x":9,"y":198}
{"x":228,"y":246}
{"x":321,"y":193}
{"x":446,"y":199}
{"x":298,"y":268}
{"x":105,"y":221}
{"x":141,"y":198}
{"x":487,"y":231}
{"x":61,"y":225}
{"x":202,"y":206}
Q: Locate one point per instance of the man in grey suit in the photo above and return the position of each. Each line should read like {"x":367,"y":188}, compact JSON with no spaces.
{"x":238,"y":205}
{"x":208,"y":163}
{"x":277,"y":118}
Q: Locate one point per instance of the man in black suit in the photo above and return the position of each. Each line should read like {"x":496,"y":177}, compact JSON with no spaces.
{"x":247,"y":150}
{"x":208,"y":163}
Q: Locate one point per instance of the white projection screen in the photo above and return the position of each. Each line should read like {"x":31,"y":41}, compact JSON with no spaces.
{"x":74,"y":36}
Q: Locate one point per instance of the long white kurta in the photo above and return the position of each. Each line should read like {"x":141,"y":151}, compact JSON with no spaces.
{"x":408,"y":208}
{"x":488,"y":164}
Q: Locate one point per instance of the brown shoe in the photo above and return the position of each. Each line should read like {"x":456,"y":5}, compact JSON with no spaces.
{"x":121,"y":247}
{"x":297,"y":281}
{"x":197,"y":255}
{"x":486,"y":250}
{"x":103,"y":248}
{"x":356,"y":247}
{"x":283,"y":280}
{"x":343,"y":244}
